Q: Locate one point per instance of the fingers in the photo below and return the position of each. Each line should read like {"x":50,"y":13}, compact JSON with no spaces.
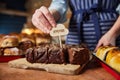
{"x":48,"y":15}
{"x":98,"y":45}
{"x":43,"y":19}
{"x":102,"y":43}
{"x":39,"y":25}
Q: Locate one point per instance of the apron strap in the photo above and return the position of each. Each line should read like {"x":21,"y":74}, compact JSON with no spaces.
{"x":84,"y":16}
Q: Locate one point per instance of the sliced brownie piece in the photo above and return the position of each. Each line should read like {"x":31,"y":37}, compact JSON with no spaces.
{"x":41,"y":55}
{"x":57,"y":55}
{"x":78,"y":55}
{"x":37,"y":55}
{"x":30,"y":55}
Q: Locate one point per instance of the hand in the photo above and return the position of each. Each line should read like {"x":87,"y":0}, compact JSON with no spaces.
{"x":43,"y":19}
{"x":107,"y":39}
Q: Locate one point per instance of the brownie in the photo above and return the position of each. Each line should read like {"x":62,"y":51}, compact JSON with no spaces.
{"x":78,"y":55}
{"x":57,"y":55}
{"x":53,"y":53}
{"x":37,"y":55}
{"x":30,"y":55}
{"x":47,"y":54}
{"x":41,"y":55}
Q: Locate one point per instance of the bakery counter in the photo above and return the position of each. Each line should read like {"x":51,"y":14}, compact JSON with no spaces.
{"x":91,"y":72}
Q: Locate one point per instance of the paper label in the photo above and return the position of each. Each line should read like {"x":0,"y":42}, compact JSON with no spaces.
{"x":59,"y":30}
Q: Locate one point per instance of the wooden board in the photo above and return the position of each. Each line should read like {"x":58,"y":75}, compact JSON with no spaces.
{"x":90,"y":72}
{"x":55,"y":68}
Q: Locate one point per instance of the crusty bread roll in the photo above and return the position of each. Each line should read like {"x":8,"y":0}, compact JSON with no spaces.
{"x":26,"y":37}
{"x":38,"y":31}
{"x":102,"y":51}
{"x":9,"y":41}
{"x":42,"y":39}
{"x":12,"y":51}
{"x":17,"y":35}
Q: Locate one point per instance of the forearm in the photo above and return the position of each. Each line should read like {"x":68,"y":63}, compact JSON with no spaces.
{"x":59,"y":8}
{"x":115,"y":30}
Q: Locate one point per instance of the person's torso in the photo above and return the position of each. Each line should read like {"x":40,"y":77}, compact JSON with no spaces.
{"x":96,"y":16}
{"x":104,"y":5}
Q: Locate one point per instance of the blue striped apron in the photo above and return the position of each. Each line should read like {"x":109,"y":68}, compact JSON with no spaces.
{"x":90,"y":20}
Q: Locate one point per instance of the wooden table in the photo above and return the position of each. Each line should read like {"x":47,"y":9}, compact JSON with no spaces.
{"x":90,"y":72}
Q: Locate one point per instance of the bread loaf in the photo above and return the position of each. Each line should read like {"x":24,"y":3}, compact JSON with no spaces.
{"x":110,"y":55}
{"x":102,"y":51}
{"x":113,"y":59}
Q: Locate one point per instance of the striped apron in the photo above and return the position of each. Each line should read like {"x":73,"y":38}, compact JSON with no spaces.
{"x":90,"y":20}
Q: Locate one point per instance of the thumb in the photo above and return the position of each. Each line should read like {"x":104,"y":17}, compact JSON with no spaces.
{"x":98,"y":45}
